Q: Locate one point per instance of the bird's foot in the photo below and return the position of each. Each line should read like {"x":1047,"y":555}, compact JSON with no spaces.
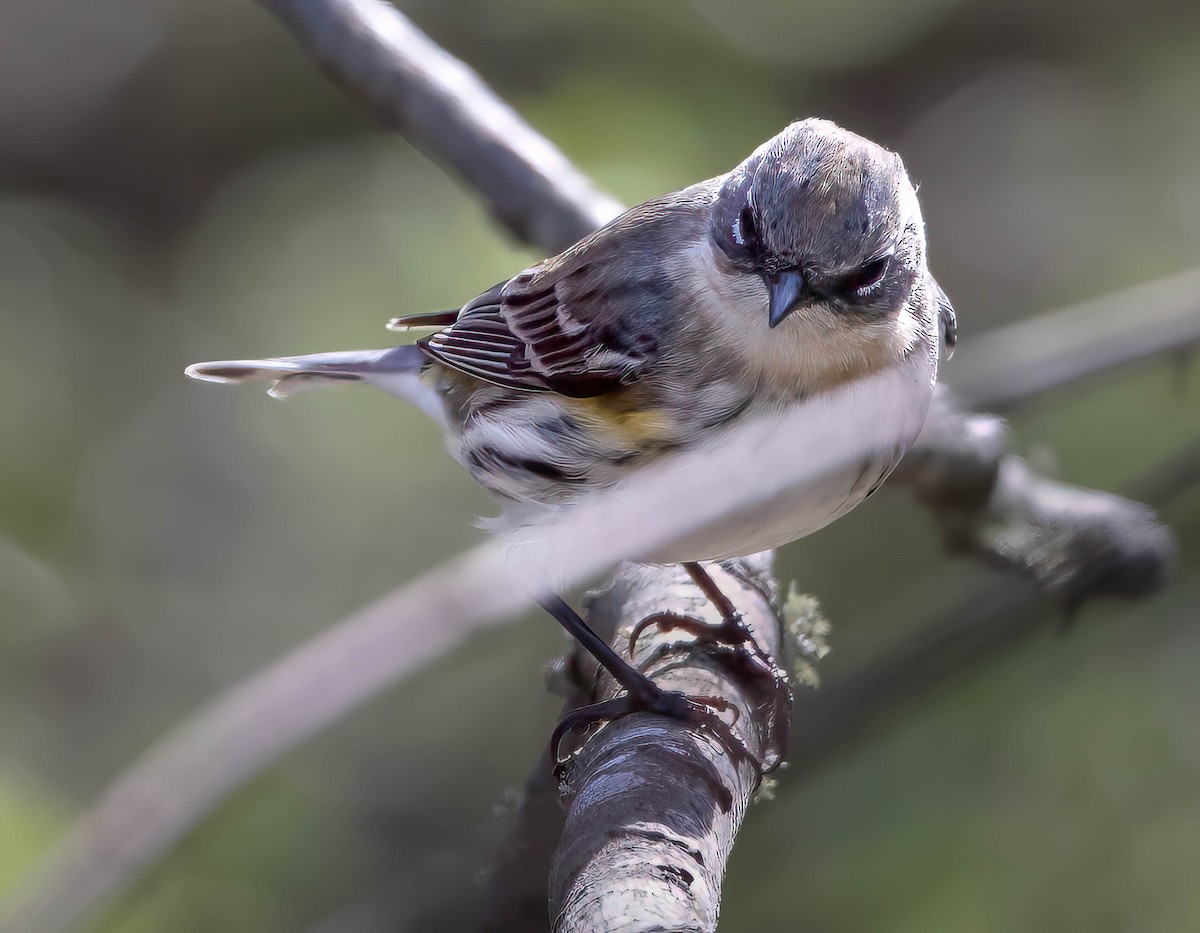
{"x":732,"y":643}
{"x":756,"y":668}
{"x":731,"y":633}
{"x":648,"y":697}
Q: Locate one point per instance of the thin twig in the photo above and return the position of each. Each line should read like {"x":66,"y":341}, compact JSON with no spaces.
{"x":1175,"y":475}
{"x":185,"y":775}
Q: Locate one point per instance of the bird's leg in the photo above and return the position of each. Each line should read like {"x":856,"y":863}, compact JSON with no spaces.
{"x":730,"y":639}
{"x":641,"y":693}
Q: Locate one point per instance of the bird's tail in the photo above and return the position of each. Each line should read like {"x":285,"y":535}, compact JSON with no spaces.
{"x":396,"y":370}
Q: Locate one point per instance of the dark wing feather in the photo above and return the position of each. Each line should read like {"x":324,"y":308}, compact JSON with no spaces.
{"x":584,"y":322}
{"x":424,"y":319}
{"x":481,"y":344}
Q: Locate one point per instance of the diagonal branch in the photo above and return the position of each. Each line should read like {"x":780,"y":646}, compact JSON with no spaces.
{"x":443,"y":107}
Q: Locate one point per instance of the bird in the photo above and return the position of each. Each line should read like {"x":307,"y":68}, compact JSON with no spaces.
{"x":799,"y":274}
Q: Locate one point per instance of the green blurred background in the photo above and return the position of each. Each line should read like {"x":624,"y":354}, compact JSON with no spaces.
{"x":177,"y":182}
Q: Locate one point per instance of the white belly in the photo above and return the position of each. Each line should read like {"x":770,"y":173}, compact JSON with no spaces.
{"x":794,"y":514}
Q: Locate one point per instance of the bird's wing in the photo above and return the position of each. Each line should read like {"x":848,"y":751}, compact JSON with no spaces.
{"x":584,"y":322}
{"x":424,"y":319}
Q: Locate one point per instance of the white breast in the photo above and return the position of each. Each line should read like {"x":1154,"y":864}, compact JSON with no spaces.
{"x":794,"y":511}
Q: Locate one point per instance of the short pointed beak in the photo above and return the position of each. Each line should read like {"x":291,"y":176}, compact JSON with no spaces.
{"x":785,"y":288}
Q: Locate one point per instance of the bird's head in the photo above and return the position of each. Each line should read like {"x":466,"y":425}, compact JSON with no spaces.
{"x":828,"y":220}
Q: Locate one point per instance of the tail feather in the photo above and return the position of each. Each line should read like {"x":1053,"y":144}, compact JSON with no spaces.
{"x":396,"y":370}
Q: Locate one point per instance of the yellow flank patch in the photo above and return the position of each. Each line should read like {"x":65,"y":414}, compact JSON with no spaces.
{"x":618,"y":416}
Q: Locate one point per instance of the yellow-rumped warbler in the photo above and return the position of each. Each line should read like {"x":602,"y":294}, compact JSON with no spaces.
{"x":797,"y":274}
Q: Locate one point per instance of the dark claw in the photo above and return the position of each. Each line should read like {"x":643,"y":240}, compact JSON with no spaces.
{"x":730,"y":631}
{"x":663,"y":620}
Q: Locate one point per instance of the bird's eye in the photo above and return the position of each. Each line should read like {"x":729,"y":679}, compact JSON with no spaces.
{"x":745,"y":230}
{"x":866,"y":278}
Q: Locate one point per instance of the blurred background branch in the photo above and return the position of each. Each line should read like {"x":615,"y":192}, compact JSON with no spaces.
{"x":1005,"y":366}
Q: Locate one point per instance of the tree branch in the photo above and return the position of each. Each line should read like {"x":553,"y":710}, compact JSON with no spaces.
{"x":443,"y":107}
{"x":1074,"y":543}
{"x":655,"y":802}
{"x":515,"y":901}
